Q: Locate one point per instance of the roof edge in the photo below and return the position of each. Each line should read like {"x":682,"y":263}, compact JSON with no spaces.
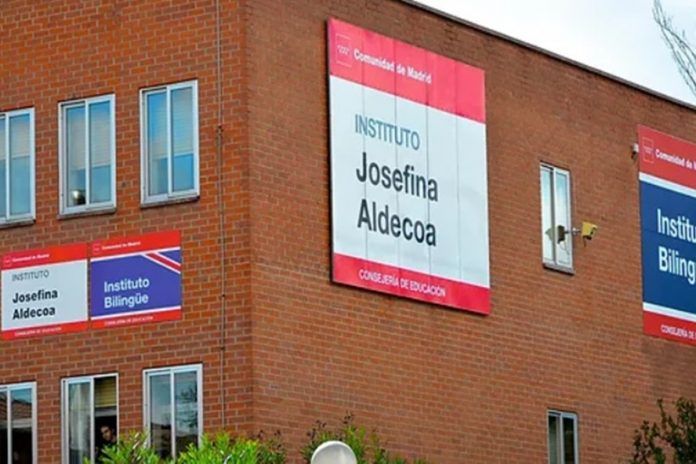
{"x":556,"y":56}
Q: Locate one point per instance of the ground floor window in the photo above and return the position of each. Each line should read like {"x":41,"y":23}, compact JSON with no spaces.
{"x":173,"y":408}
{"x":90,"y":416}
{"x":563,"y":437}
{"x":18,"y":423}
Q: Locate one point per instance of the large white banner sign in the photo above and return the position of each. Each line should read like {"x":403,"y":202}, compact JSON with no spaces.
{"x":408,"y":170}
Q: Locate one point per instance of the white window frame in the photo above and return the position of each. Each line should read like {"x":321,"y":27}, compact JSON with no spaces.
{"x":146,"y":198}
{"x":63,"y":160}
{"x":568,"y":241}
{"x":65,"y":416}
{"x":198,"y":369}
{"x":561,"y":442}
{"x":9,"y":388}
{"x":31,"y":215}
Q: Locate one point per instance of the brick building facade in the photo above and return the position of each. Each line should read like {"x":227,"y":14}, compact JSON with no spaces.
{"x":280,"y":345}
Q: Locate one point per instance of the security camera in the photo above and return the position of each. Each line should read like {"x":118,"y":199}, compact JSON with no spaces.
{"x":588,"y":230}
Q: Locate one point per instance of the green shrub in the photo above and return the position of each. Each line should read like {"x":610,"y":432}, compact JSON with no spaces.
{"x":258,"y":450}
{"x":131,"y":450}
{"x":222,"y":448}
{"x":271,"y":449}
{"x":673,"y":435}
{"x":261,"y":449}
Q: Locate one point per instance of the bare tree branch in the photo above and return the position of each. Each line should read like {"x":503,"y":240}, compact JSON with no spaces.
{"x":683,"y":52}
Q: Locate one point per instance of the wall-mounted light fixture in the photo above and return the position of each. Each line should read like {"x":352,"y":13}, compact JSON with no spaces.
{"x":334,"y":452}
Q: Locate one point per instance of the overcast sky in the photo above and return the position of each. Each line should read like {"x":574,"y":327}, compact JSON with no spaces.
{"x":616,"y":36}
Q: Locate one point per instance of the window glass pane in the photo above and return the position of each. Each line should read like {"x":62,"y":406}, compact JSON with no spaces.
{"x":160,"y":414}
{"x":183,"y":173}
{"x":79,"y":408}
{"x":2,"y":138}
{"x":182,"y":139}
{"x":22,"y":449}
{"x":19,"y":135}
{"x":105,"y":413}
{"x":568,"y":441}
{"x":100,"y":184}
{"x":562,"y":210}
{"x":3,"y":161}
{"x":186,"y":409}
{"x":547,"y":228}
{"x":3,"y":427}
{"x":553,"y":439}
{"x":20,"y":184}
{"x":157,"y":143}
{"x":75,"y":153}
{"x":100,"y":152}
{"x":182,"y":121}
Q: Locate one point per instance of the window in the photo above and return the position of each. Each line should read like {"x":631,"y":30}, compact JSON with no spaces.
{"x":17,"y":165}
{"x":87,"y":154}
{"x":563,"y":438}
{"x":18,"y":423}
{"x":90,"y":416}
{"x":556,"y":230}
{"x":169,"y":142}
{"x":173,"y":408}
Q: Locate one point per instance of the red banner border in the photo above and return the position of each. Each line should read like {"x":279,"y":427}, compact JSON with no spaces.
{"x":410,"y":284}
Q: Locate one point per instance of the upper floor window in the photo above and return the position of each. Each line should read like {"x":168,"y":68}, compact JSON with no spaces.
{"x":169,"y":142}
{"x":90,"y":417}
{"x":556,"y":229}
{"x":18,"y":423}
{"x":173,"y":408}
{"x":563,"y":437}
{"x":16,"y":165}
{"x":87,"y":154}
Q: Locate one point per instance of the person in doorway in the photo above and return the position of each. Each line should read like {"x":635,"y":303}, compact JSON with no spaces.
{"x":108,"y":438}
{"x":108,"y":435}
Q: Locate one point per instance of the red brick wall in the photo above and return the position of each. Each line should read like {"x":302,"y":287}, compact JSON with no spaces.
{"x":59,"y":50}
{"x":444,"y":384}
{"x":448,"y":385}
